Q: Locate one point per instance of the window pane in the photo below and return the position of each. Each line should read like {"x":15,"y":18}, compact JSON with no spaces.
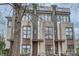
{"x":45,"y":17}
{"x":28,"y":46}
{"x":27,"y":32}
{"x":24,"y":36}
{"x":67,"y":33}
{"x":26,"y":49}
{"x":66,"y":29}
{"x":50,"y":29}
{"x":24,"y":46}
{"x":58,"y":18}
{"x":9,"y":23}
{"x":67,"y":18}
{"x":29,"y":28}
{"x":24,"y":28}
{"x":50,"y":36}
{"x":49,"y":17}
{"x":46,"y":37}
{"x":28,"y":36}
{"x":62,"y":18}
{"x":48,"y":33}
{"x":70,"y":33}
{"x":27,"y":17}
{"x":24,"y":32}
{"x":30,"y":17}
{"x":70,"y":29}
{"x":23,"y":18}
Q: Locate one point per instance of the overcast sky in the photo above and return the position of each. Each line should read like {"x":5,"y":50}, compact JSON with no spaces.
{"x":6,"y":10}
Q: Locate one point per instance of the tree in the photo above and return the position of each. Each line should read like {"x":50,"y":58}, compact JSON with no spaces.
{"x":19,"y":10}
{"x":2,"y":44}
{"x":77,"y":51}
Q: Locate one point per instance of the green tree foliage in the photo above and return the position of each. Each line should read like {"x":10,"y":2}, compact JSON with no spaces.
{"x":3,"y":51}
{"x":77,"y":51}
{"x":2,"y":45}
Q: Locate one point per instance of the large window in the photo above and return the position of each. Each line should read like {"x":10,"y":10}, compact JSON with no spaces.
{"x":27,"y":17}
{"x":48,"y":33}
{"x":62,"y":18}
{"x":26,"y":49}
{"x":69,"y":33}
{"x":27,"y":32}
{"x":44,"y":17}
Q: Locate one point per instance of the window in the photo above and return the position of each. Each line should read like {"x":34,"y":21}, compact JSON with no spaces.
{"x":27,"y":32}
{"x":62,"y":18}
{"x":68,"y":33}
{"x":58,"y":18}
{"x":9,"y":23}
{"x":44,"y":17}
{"x":41,"y":18}
{"x":27,"y":17}
{"x":26,"y":49}
{"x":48,"y":33}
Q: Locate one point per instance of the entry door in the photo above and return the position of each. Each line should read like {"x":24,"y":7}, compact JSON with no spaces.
{"x":35,"y":48}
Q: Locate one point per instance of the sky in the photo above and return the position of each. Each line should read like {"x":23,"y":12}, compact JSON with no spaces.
{"x":6,"y":10}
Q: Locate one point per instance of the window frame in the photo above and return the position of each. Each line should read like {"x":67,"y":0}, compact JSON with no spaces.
{"x":27,"y":17}
{"x":63,"y":18}
{"x":28,"y":32}
{"x":44,"y":17}
{"x":68,"y":32}
{"x":49,"y":33}
{"x":25,"y":50}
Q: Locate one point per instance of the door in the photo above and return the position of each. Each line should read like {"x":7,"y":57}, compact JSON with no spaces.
{"x":35,"y":48}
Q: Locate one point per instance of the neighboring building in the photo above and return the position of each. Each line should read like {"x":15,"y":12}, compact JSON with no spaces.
{"x":47,"y":32}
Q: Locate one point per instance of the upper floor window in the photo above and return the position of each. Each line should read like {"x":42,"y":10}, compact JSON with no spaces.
{"x":27,"y":32}
{"x":26,"y":49}
{"x":44,"y":17}
{"x":69,"y":33}
{"x":48,"y":33}
{"x":27,"y":17}
{"x":62,"y":18}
